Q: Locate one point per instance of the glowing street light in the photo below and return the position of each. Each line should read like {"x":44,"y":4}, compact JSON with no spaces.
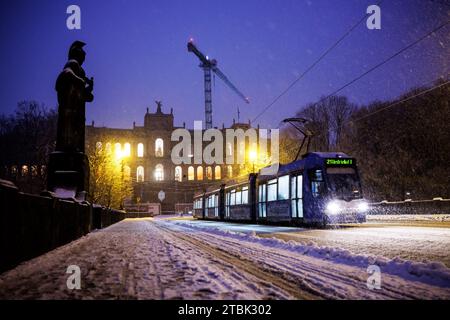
{"x":253,"y":155}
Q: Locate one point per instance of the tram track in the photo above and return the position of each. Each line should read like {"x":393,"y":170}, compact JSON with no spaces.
{"x":264,"y":273}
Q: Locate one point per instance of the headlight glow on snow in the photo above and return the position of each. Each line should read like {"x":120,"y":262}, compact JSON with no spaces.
{"x":363,"y":207}
{"x":333,"y":207}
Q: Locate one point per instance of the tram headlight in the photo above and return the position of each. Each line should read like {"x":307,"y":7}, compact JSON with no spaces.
{"x":363,"y":206}
{"x":333,"y":207}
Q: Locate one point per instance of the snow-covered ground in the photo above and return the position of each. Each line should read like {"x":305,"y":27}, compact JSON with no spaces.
{"x":172,"y":259}
{"x":409,"y":217}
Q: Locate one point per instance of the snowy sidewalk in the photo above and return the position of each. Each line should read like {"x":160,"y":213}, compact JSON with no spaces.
{"x":164,"y":259}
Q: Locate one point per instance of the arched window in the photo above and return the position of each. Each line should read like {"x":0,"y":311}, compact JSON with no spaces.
{"x":118,"y":150}
{"x":24,"y":171}
{"x":199,"y":173}
{"x":191,"y":173}
{"x":127,"y":150}
{"x":159,"y":147}
{"x":230,"y":171}
{"x":126,"y":172}
{"x":140,"y":150}
{"x":209,"y":173}
{"x":178,"y":174}
{"x":98,"y":145}
{"x":217,"y":173}
{"x":229,"y":149}
{"x":159,"y":172}
{"x":242,"y":149}
{"x":140,"y":174}
{"x":14,"y":170}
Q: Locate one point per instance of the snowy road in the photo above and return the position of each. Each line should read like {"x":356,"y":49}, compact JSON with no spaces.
{"x":179,"y":259}
{"x":411,"y":240}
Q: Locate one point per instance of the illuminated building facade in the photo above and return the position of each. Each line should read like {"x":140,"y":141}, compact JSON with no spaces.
{"x":145,"y":154}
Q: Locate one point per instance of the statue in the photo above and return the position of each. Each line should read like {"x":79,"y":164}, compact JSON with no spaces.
{"x":74,"y":90}
{"x":158,"y":106}
{"x":68,"y":168}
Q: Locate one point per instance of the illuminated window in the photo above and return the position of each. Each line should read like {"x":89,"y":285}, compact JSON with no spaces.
{"x":24,"y":171}
{"x":98,"y":145}
{"x":43,"y":168}
{"x":127,"y":150}
{"x":229,"y":149}
{"x":126,"y":172}
{"x":191,"y":173}
{"x":230,"y":171}
{"x":118,"y":150}
{"x":159,"y":147}
{"x":178,"y":174}
{"x":140,"y":150}
{"x":242,"y":149}
{"x":199,"y":173}
{"x":217,"y":173}
{"x":14,"y":170}
{"x":140,"y":174}
{"x":159,"y":172}
{"x":209,"y":173}
{"x":108,"y":147}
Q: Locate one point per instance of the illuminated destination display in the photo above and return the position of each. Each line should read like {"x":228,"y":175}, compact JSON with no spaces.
{"x":339,"y":162}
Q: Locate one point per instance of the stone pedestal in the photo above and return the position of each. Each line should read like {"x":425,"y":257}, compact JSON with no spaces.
{"x":68,"y":175}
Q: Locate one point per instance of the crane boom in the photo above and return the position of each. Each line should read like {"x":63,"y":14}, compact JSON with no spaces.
{"x":231,"y":85}
{"x":208,"y":66}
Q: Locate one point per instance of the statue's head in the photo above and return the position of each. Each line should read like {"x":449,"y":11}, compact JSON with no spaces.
{"x":76,"y":52}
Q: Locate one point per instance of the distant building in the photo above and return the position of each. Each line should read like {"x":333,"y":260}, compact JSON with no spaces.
{"x":146,"y":152}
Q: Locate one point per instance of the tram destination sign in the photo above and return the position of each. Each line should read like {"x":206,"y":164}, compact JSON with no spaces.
{"x":340,"y":162}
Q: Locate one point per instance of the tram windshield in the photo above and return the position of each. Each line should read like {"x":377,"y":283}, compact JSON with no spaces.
{"x":344,"y":183}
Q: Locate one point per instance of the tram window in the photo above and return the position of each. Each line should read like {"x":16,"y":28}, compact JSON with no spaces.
{"x":272,"y":190}
{"x":244,"y":195}
{"x":238,"y":197}
{"x":299,"y":186}
{"x":233,"y":197}
{"x":216,"y":205}
{"x":262,"y":192}
{"x":283,"y":188}
{"x":317,"y":183}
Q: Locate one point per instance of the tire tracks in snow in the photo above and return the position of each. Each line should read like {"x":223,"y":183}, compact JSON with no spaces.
{"x":322,"y":277}
{"x":264,"y":273}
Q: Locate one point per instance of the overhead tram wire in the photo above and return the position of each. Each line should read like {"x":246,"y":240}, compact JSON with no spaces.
{"x":389,"y":106}
{"x":384,"y":61}
{"x":398,"y":102}
{"x":321,"y":57}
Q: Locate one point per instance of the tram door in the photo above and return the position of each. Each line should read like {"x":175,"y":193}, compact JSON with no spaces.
{"x":297,"y":196}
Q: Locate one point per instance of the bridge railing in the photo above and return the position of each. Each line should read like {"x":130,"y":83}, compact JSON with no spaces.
{"x":436,"y":205}
{"x":31,"y":225}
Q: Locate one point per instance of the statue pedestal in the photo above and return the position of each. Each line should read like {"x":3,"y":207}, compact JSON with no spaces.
{"x":68,"y":175}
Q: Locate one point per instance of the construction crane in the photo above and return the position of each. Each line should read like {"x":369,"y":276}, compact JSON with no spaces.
{"x":209,"y":65}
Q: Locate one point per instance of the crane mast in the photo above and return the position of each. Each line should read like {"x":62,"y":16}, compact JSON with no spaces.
{"x":209,"y":65}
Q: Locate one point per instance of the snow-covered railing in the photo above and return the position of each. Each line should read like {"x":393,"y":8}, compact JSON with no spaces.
{"x":31,"y":225}
{"x":437,"y":205}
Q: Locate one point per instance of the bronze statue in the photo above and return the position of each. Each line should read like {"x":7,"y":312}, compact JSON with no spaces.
{"x":68,"y":167}
{"x":74,"y":90}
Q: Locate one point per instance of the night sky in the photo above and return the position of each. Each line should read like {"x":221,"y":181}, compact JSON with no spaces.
{"x":136,"y":51}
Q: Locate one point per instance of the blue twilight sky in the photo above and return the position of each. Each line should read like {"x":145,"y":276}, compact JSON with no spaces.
{"x":136,"y":51}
